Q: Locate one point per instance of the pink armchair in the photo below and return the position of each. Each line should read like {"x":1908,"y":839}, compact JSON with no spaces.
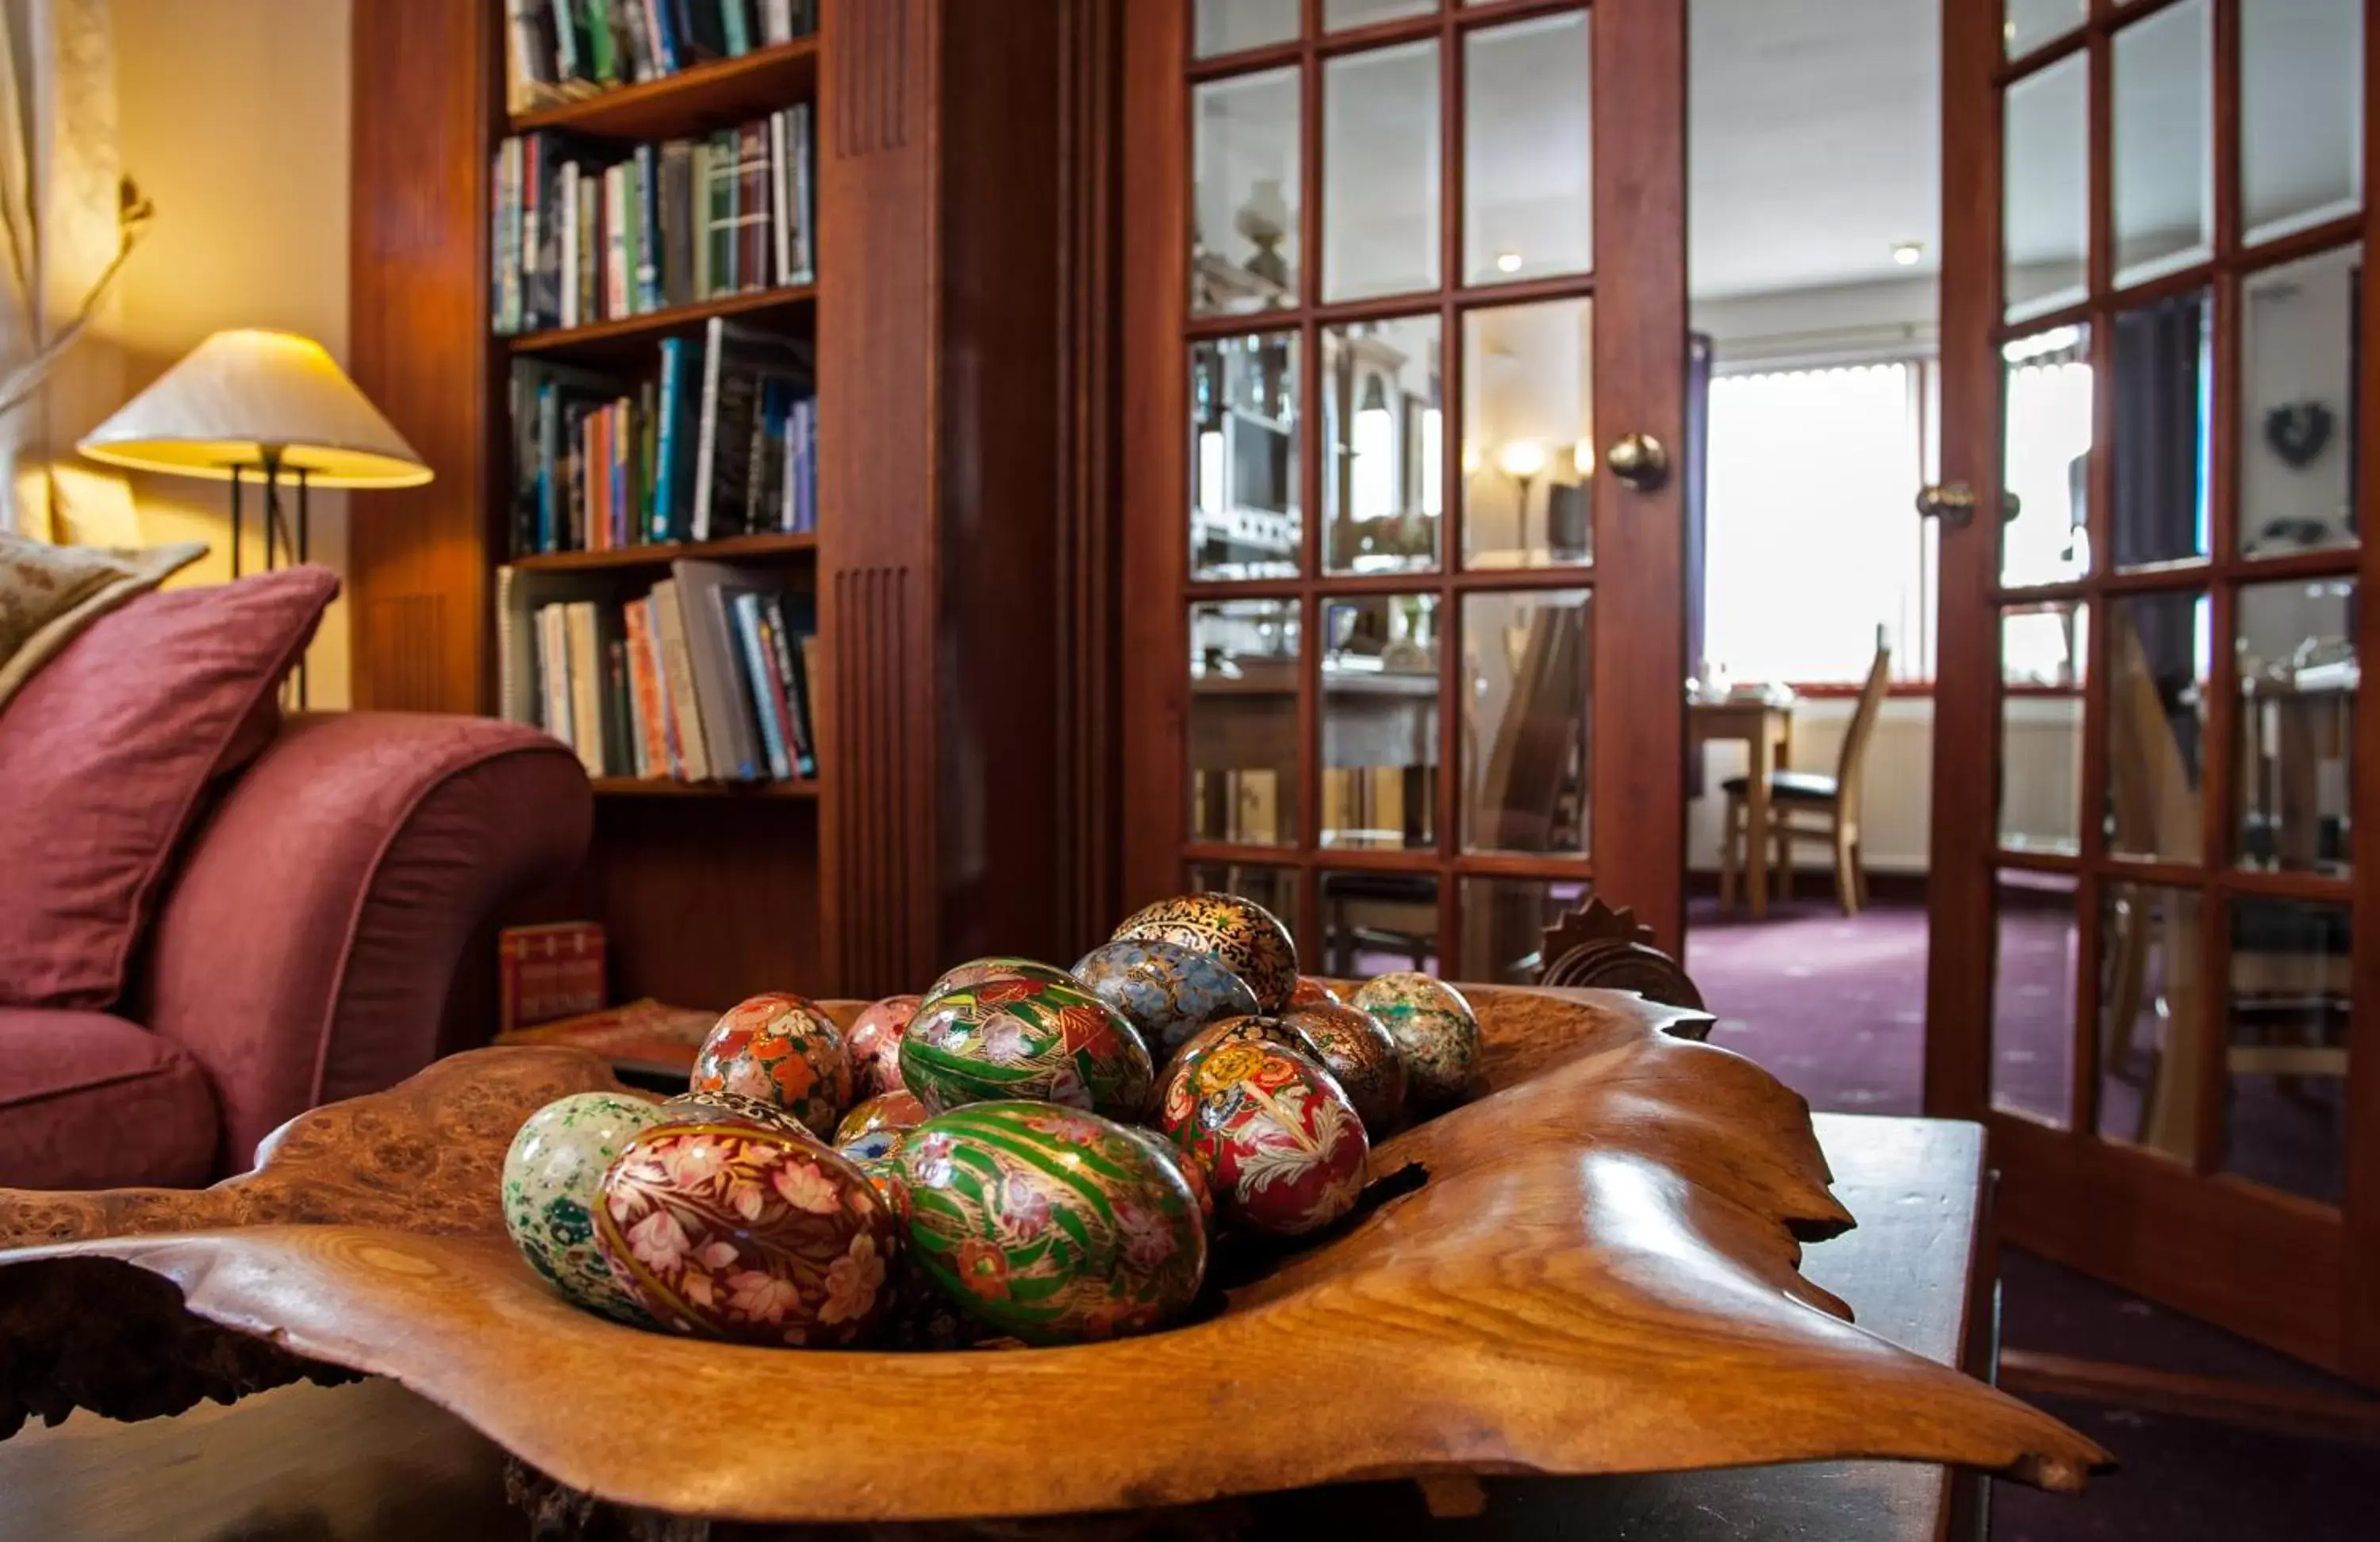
{"x":302,"y":952}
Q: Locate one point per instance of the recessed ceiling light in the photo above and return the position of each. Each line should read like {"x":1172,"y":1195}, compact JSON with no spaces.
{"x":1908,"y":254}
{"x":1508,"y":262}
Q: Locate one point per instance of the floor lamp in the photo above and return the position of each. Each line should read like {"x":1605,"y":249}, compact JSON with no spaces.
{"x":267,"y":407}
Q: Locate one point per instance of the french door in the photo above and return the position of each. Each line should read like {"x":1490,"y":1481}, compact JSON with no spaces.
{"x":1405,"y":335}
{"x":2157,"y":799}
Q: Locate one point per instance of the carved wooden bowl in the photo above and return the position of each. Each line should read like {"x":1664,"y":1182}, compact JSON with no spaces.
{"x":1593,"y":1271}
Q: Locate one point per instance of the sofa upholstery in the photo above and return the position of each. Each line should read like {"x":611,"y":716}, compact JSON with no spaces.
{"x":302,"y":952}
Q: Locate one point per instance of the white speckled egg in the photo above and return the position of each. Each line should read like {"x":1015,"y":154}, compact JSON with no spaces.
{"x":552,"y":1175}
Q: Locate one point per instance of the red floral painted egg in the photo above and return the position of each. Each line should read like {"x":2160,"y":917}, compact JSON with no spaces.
{"x":886,"y":1111}
{"x":1284,"y":1146}
{"x":874,"y":1040}
{"x":728,"y":1231}
{"x":1247,"y":938}
{"x":1177,"y":1087}
{"x":1309,"y":991}
{"x":1354,"y":1047}
{"x":782,"y":1050}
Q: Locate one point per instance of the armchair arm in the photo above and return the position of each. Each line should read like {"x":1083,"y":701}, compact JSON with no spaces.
{"x":305,"y":950}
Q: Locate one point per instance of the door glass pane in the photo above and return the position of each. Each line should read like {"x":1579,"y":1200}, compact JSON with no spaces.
{"x":2158,"y":654}
{"x":2032,"y":996}
{"x":1384,"y":485}
{"x":2044,"y":457}
{"x":1525,"y":680}
{"x":1379,"y":923}
{"x":1528,"y":195}
{"x":1245,"y":521}
{"x":1274,"y":888}
{"x":2046,"y":218}
{"x":2165,"y":139}
{"x":1504,"y":922}
{"x":1244,"y":249}
{"x":2030,"y":23}
{"x":2164,"y":357}
{"x":2150,"y":1005}
{"x":1379,"y":171}
{"x":1528,"y":434}
{"x":2285,"y":1122}
{"x":2297,"y":680}
{"x":1228,"y":26}
{"x":1338,"y":16}
{"x":1379,"y":721}
{"x":1243,"y":738}
{"x":2042,"y":651}
{"x":2301,"y":113}
{"x":2300,"y":356}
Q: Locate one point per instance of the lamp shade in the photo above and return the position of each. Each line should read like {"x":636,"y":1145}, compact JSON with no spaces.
{"x":241,"y":395}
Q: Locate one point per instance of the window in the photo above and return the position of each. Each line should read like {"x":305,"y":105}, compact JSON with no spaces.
{"x":1813,"y":536}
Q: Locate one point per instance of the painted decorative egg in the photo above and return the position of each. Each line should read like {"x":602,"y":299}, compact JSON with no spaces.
{"x":1193,"y":1171}
{"x":883,"y":1170}
{"x":552,"y":1175}
{"x":977,"y":971}
{"x":1166,"y":990}
{"x":873,"y":1145}
{"x":783,"y":1049}
{"x":1007,"y":1036}
{"x":725,"y":1229}
{"x":722,"y":1104}
{"x":1355,"y":1048}
{"x":886,"y":1111}
{"x":1174,"y":1088}
{"x":1283,"y":1145}
{"x":1434,"y":1029}
{"x":1050,"y":1223}
{"x":1309,"y":991}
{"x":1243,"y":936}
{"x":874,"y":1042}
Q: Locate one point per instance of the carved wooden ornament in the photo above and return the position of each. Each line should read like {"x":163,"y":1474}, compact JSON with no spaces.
{"x":1597,"y":1274}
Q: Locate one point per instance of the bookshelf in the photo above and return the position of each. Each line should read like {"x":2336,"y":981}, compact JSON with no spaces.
{"x":964,"y":557}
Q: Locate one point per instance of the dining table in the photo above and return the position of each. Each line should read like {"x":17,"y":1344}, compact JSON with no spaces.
{"x":1763,"y":722}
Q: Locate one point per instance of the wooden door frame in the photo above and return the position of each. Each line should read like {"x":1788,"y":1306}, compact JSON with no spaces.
{"x":2289,"y":1272}
{"x":1637,"y":637}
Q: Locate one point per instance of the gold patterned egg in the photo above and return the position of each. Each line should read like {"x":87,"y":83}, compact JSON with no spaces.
{"x":722,"y":1104}
{"x":886,"y":1111}
{"x":783,"y":1049}
{"x":1243,"y":936}
{"x":1354,"y":1045}
{"x":1434,"y":1030}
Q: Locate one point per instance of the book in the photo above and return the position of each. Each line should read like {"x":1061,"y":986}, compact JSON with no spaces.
{"x":768,"y":704}
{"x":677,"y":674}
{"x":584,"y":665}
{"x":622,"y":753}
{"x":547,"y":973}
{"x":724,"y":169}
{"x":732,"y":739}
{"x":553,"y":671}
{"x":754,"y":264}
{"x":651,"y":692}
{"x":784,"y":646}
{"x":648,"y":227}
{"x":736,"y":361}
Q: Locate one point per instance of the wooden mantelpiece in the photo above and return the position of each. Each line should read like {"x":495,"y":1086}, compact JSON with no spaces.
{"x":964,"y":496}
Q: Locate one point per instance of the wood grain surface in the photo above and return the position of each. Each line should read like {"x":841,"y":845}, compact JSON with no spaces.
{"x":1599,"y":1274}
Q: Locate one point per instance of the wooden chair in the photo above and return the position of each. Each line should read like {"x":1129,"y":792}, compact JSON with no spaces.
{"x":1810,"y":807}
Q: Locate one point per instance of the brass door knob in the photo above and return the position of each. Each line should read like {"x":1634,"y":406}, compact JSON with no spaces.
{"x":1638,"y":459}
{"x":1951,"y":503}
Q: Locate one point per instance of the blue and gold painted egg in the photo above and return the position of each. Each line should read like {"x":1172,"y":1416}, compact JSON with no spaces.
{"x":1166,"y":990}
{"x":1238,"y":933}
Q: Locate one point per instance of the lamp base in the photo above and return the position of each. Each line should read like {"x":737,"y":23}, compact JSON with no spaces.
{"x":277,"y":538}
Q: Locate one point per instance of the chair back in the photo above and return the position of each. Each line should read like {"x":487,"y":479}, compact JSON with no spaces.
{"x":1862,"y":728}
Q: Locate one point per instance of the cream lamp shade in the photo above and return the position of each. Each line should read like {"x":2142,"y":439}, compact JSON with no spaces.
{"x":248,"y":398}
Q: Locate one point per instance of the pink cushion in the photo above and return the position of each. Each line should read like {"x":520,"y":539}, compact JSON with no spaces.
{"x":89,"y":1101}
{"x":107,"y":754}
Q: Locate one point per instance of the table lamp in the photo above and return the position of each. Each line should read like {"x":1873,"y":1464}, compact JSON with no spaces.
{"x":268,"y":404}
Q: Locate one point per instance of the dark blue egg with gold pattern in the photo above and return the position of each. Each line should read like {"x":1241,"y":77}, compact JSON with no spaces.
{"x":1167,"y":991}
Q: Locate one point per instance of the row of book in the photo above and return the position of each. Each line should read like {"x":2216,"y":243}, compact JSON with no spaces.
{"x":557,"y":50}
{"x":581,"y":239}
{"x":719,"y":441}
{"x":706,"y":677}
{"x":1389,"y":808}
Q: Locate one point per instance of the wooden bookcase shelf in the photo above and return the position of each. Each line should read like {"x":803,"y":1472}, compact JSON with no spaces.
{"x":659,"y":554}
{"x":621,"y":333}
{"x":633,"y":787}
{"x":690,"y":101}
{"x":955,"y":557}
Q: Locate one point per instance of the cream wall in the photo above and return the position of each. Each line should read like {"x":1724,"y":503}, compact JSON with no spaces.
{"x":234,"y":120}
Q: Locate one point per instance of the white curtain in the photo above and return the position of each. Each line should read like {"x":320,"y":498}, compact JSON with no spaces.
{"x":60,"y":189}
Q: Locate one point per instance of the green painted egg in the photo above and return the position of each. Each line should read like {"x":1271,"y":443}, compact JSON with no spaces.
{"x":1243,"y":936}
{"x":552,"y":1175}
{"x":1434,"y":1030}
{"x":1015,"y":1035}
{"x":1051,"y":1224}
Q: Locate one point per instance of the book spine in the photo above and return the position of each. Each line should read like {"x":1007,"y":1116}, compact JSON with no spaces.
{"x":677,"y":661}
{"x":653,"y":756}
{"x":619,"y":741}
{"x":586,"y":686}
{"x":590,"y":248}
{"x":731,"y":23}
{"x":721,"y":226}
{"x":628,"y":23}
{"x":707,"y":425}
{"x":641,"y":513}
{"x":809,"y":651}
{"x":697,"y":157}
{"x":759,"y":673}
{"x":783,"y":647}
{"x":553,"y":671}
{"x":549,"y":452}
{"x":676,"y":215}
{"x":565,"y":41}
{"x":624,"y":471}
{"x":648,"y":227}
{"x":672,"y":750}
{"x":592,"y":464}
{"x":780,"y":228}
{"x":798,"y":209}
{"x":601,"y":65}
{"x":752,"y":206}
{"x":667,"y":450}
{"x":657,"y":17}
{"x":719,"y":676}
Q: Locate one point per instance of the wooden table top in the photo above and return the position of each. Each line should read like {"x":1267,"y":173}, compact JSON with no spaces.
{"x":371,"y":1460}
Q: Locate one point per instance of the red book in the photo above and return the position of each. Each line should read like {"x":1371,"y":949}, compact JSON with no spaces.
{"x":652,"y":707}
{"x":547,"y":972}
